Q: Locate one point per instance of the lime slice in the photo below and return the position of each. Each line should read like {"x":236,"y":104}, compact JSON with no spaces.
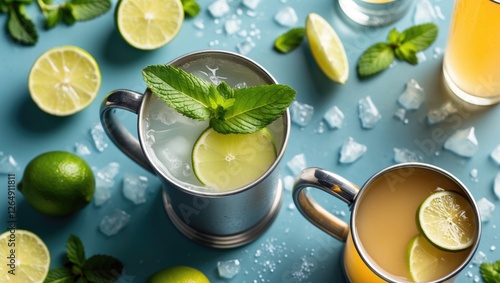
{"x":327,"y":49}
{"x":447,"y":220}
{"x":178,"y":274}
{"x":425,"y":261}
{"x":64,"y":80}
{"x":226,"y":162}
{"x":147,"y":24}
{"x":30,"y":260}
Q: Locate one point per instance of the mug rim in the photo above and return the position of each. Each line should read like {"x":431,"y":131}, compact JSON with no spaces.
{"x":233,"y":57}
{"x":425,"y":166}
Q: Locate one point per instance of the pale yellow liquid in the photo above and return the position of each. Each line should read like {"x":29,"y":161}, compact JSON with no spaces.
{"x":386,"y":223}
{"x":378,"y":1}
{"x":472,"y":57}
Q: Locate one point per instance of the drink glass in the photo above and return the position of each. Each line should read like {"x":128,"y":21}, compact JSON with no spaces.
{"x":382,"y":220}
{"x":375,"y":12}
{"x":220,"y":219}
{"x":471,"y":58}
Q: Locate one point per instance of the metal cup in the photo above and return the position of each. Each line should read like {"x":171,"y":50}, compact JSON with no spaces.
{"x":219,"y":220}
{"x":358,"y":265}
{"x":375,"y":12}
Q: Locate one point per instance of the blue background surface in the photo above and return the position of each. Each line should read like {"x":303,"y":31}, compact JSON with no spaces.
{"x":292,"y":250}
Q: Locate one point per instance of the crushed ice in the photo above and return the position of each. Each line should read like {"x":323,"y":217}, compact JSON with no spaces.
{"x":462,"y":142}
{"x":334,"y":117}
{"x":114,"y":222}
{"x":297,"y":164}
{"x":229,"y":268}
{"x":302,"y":113}
{"x":135,"y":187}
{"x":413,"y":96}
{"x":368,"y":113}
{"x":8,"y":164}
{"x":351,"y":151}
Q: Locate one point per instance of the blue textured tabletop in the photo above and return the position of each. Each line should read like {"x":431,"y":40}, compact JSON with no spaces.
{"x":292,"y":250}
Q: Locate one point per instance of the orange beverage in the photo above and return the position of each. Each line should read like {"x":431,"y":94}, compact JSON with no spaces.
{"x":472,"y":55}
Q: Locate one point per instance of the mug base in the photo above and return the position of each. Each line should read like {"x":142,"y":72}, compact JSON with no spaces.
{"x":226,"y":241}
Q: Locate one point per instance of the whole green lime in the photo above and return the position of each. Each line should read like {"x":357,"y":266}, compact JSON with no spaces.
{"x":57,"y":183}
{"x":178,"y":274}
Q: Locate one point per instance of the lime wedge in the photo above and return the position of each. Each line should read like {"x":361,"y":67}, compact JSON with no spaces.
{"x":447,"y":220}
{"x":148,"y":24}
{"x":425,"y":261}
{"x":64,"y":80}
{"x":31,"y":258}
{"x":327,"y":49}
{"x":226,"y":162}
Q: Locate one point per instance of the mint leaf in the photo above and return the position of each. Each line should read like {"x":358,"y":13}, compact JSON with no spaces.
{"x":75,"y":250}
{"x":290,"y":40}
{"x":407,"y":52}
{"x":52,"y":18}
{"x":184,"y":92}
{"x":394,"y":37}
{"x":191,"y":8}
{"x":83,"y":10}
{"x":254,"y":108}
{"x":421,"y":36}
{"x":375,"y":59}
{"x":59,"y":275}
{"x":20,"y":26}
{"x":102,"y":269}
{"x":490,"y":272}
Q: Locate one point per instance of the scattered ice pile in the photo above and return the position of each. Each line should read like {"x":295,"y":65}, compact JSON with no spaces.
{"x":245,"y":47}
{"x":462,"y":142}
{"x":229,"y":268}
{"x":334,"y":117}
{"x":99,"y":137}
{"x":232,"y":26}
{"x":113,"y":223}
{"x":413,"y":96}
{"x":218,"y":8}
{"x":486,"y":209}
{"x":105,"y":180}
{"x":437,"y":115}
{"x":495,"y":154}
{"x":297,"y":164}
{"x":351,"y":151}
{"x":368,"y":113}
{"x":8,"y":164}
{"x":405,"y":155}
{"x":286,"y":16}
{"x":135,"y":187}
{"x":301,"y":113}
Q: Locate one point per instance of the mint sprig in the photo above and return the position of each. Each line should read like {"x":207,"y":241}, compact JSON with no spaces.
{"x":490,"y":272}
{"x":97,"y":268}
{"x":239,"y":111}
{"x":290,"y":40}
{"x":191,"y":8}
{"x":403,"y":46}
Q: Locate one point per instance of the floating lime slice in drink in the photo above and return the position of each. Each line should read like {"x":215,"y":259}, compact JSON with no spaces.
{"x":446,"y":219}
{"x":226,"y":162}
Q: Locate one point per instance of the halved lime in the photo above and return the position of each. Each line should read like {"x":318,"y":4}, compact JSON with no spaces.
{"x":226,"y":162}
{"x":447,"y":220}
{"x":147,"y":24}
{"x":425,"y":261}
{"x":178,"y":274}
{"x":64,"y":80}
{"x":326,"y":48}
{"x":24,"y":254}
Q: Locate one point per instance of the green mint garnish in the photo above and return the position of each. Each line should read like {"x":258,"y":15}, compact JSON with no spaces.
{"x":97,"y":268}
{"x":404,"y":46}
{"x":22,"y":29}
{"x":290,"y":40}
{"x":490,"y":272}
{"x":240,"y":111}
{"x":191,"y":8}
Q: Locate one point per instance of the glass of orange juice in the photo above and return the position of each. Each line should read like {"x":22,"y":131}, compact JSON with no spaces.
{"x":384,"y":225}
{"x":375,"y":12}
{"x":472,"y":54}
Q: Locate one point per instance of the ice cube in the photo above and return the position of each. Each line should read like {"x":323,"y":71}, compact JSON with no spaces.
{"x":229,"y":268}
{"x":495,"y":154}
{"x":297,"y":163}
{"x":218,"y":8}
{"x":105,"y":177}
{"x":437,"y":52}
{"x":232,"y":26}
{"x":286,"y":16}
{"x":424,"y":12}
{"x":413,"y":96}
{"x":440,"y":114}
{"x":368,"y":113}
{"x":496,"y":186}
{"x":462,"y":142}
{"x":334,"y":117}
{"x":245,"y":47}
{"x":479,"y":258}
{"x":301,"y":113}
{"x":400,"y":114}
{"x":134,"y":187}
{"x":288,"y":182}
{"x":251,"y":4}
{"x":486,"y":209}
{"x":199,"y":24}
{"x":82,"y":149}
{"x":113,"y":223}
{"x":351,"y":151}
{"x":101,"y":195}
{"x":405,"y":155}
{"x":8,"y":164}
{"x":99,"y":137}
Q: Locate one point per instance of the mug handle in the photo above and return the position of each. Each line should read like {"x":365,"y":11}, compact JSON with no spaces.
{"x":126,"y":100}
{"x":330,"y":183}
